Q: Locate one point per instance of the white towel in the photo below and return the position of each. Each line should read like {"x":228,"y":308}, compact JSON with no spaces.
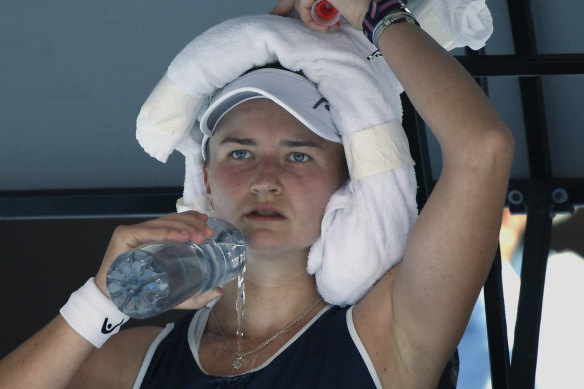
{"x":367,"y":221}
{"x":364,"y":231}
{"x":468,"y":21}
{"x":206,"y":64}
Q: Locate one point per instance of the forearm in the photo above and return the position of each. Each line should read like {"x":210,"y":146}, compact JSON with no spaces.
{"x":52,"y":357}
{"x":49,"y":359}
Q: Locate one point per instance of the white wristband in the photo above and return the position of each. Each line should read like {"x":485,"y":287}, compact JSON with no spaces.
{"x":92,"y":315}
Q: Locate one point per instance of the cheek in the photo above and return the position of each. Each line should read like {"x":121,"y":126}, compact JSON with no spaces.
{"x":317,"y":190}
{"x":224,"y":185}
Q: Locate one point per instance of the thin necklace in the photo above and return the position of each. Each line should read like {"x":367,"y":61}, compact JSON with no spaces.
{"x":237,"y":362}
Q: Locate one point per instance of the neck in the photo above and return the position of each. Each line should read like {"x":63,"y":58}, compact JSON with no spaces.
{"x":276,"y":290}
{"x":270,"y":270}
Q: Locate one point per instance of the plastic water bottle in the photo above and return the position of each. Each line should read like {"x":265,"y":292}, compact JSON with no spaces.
{"x":155,"y":277}
{"x":324,"y":13}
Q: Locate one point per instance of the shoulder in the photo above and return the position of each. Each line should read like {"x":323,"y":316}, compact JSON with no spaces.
{"x":386,"y":343}
{"x":118,"y":362}
{"x":391,"y":341}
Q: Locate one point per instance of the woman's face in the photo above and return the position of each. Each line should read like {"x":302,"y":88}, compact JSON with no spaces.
{"x":271,"y":176}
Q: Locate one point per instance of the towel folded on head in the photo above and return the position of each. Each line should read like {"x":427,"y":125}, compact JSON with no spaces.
{"x":332,"y":61}
{"x":367,"y":221}
{"x":364,"y":230}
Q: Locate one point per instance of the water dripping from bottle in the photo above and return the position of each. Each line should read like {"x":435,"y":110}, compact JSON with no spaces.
{"x":240,"y":306}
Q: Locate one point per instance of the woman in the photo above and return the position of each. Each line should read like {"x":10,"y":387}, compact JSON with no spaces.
{"x":272,"y":176}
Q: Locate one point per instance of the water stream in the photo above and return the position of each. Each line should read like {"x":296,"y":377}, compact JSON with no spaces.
{"x":240,"y":307}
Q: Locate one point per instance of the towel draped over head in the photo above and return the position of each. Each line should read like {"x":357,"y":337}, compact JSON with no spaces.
{"x":367,"y":221}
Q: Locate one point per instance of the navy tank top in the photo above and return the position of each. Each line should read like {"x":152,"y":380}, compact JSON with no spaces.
{"x":325,"y":353}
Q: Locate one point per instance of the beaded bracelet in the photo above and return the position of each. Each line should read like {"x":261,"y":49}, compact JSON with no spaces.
{"x":377,"y":11}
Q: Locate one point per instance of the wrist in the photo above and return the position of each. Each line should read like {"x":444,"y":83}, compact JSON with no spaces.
{"x":383,"y":13}
{"x":388,"y":20}
{"x":92,"y":315}
{"x":101,"y":284}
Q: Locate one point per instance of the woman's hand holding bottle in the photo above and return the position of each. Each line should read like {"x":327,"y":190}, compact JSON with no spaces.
{"x":352,"y":10}
{"x":181,"y":227}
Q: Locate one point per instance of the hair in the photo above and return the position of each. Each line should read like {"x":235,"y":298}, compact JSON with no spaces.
{"x":205,"y":161}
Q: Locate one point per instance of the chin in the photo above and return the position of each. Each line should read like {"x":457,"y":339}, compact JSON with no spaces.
{"x":264,"y":242}
{"x":267,"y":241}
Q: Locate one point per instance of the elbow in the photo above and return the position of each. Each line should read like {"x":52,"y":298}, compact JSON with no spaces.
{"x":491,"y":151}
{"x":499,"y":145}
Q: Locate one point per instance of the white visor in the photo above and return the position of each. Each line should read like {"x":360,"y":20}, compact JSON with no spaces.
{"x":293,"y":92}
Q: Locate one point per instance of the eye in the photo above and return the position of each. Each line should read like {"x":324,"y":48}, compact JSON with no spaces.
{"x":299,"y":157}
{"x":240,"y":154}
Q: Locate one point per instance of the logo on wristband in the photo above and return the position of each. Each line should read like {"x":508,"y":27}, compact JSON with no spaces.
{"x":108,"y":328}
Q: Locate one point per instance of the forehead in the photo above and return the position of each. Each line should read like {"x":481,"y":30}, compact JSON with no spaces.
{"x":258,"y":116}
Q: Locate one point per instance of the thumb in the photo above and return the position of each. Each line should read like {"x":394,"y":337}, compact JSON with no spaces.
{"x":283,"y":8}
{"x":200,"y":300}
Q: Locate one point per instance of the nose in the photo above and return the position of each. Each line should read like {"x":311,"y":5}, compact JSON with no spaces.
{"x":267,"y":180}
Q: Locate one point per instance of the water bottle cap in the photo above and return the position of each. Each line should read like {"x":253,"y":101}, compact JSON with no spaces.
{"x":325,"y":11}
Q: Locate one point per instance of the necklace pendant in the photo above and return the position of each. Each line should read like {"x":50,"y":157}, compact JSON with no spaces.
{"x":237,"y":362}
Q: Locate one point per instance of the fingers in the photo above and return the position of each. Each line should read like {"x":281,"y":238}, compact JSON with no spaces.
{"x":181,"y":227}
{"x":304,"y":11}
{"x":352,"y":10}
{"x":303,"y":7}
{"x":283,"y":8}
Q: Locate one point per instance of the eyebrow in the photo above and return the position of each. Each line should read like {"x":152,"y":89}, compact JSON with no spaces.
{"x":284,"y":143}
{"x":301,"y":143}
{"x":241,"y":141}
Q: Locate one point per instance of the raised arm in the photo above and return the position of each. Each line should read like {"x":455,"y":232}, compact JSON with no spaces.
{"x":422,"y":306}
{"x":413,"y":318}
{"x":452,"y":245}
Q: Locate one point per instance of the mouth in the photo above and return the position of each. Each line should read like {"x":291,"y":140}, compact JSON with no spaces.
{"x":265,"y":213}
